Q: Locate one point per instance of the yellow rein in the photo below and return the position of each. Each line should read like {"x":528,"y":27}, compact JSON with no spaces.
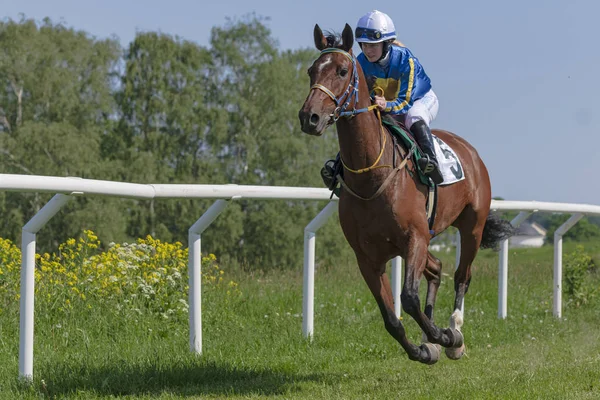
{"x":374,"y":166}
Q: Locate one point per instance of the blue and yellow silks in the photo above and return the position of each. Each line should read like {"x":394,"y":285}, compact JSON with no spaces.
{"x":403,"y":82}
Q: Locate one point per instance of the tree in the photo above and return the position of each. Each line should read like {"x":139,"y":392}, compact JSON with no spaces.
{"x":163,"y":125}
{"x":55,"y":104}
{"x":262,"y":89}
{"x":169,"y":111}
{"x":582,"y":231}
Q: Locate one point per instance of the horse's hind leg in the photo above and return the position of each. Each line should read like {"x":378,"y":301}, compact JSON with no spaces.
{"x":470,"y":226}
{"x":379,"y":284}
{"x":433,"y":274}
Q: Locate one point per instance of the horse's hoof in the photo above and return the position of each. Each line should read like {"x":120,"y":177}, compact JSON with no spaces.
{"x":455,"y":353}
{"x":456,"y":338}
{"x":433,"y":353}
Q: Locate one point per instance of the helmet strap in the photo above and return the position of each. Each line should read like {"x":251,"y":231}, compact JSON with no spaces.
{"x":385,"y":50}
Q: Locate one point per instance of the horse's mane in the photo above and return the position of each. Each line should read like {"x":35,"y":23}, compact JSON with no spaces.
{"x":334,"y":39}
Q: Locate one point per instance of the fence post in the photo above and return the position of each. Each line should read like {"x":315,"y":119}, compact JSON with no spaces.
{"x":27,"y":300}
{"x":397,"y":284}
{"x":456,"y":264}
{"x":195,"y":272}
{"x":503,"y":268}
{"x":558,"y":235}
{"x":308,"y":293}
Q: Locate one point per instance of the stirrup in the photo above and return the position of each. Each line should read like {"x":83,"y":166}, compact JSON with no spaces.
{"x":431,"y":169}
{"x":328,"y":173}
{"x":426,"y":164}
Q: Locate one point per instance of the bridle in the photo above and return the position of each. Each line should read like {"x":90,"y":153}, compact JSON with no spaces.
{"x":350,"y":94}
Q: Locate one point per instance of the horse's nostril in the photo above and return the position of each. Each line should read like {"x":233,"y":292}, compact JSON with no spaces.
{"x":314,"y":119}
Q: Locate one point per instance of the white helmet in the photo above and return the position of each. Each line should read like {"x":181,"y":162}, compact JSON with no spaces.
{"x":375,"y":27}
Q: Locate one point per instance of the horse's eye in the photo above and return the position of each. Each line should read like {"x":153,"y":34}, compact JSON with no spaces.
{"x":343,"y":72}
{"x":309,"y":70}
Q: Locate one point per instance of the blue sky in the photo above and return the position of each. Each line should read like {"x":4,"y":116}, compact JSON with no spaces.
{"x":519,"y":79}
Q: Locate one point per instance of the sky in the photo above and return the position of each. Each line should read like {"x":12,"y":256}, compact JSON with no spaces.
{"x":520,"y":80}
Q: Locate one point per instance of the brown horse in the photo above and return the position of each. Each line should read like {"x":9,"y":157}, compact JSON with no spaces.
{"x":384,"y":216}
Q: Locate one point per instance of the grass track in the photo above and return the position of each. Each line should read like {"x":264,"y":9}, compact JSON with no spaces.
{"x":254,"y":347}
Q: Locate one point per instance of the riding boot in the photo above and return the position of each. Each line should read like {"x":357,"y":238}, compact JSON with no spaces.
{"x":428,"y":163}
{"x":330,"y":170}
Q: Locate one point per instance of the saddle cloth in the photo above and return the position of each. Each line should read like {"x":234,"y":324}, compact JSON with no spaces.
{"x":449,"y":163}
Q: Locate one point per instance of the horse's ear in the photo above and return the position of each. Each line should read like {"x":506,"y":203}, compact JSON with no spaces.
{"x":320,"y":41}
{"x":347,"y":38}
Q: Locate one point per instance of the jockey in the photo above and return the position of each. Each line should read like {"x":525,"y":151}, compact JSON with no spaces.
{"x":400,"y":87}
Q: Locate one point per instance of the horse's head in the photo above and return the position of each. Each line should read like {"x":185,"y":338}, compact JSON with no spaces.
{"x":333,"y":81}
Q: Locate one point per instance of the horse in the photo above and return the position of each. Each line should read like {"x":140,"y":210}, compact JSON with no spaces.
{"x":382,"y":208}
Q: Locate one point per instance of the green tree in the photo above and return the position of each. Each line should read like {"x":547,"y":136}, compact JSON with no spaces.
{"x":582,"y":231}
{"x":163,"y":125}
{"x":262,"y":90}
{"x":55,"y":104}
{"x":168,"y":111}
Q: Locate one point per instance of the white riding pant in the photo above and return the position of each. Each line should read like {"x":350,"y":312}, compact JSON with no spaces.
{"x":424,"y":109}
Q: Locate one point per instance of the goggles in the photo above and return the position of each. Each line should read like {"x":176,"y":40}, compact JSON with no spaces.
{"x":370,"y":34}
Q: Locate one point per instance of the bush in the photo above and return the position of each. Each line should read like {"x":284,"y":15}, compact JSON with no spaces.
{"x":146,"y":276}
{"x":577,"y":275}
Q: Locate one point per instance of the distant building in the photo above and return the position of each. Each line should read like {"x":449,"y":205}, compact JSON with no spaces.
{"x":445,"y":242}
{"x":529,"y":234}
{"x":440,"y":247}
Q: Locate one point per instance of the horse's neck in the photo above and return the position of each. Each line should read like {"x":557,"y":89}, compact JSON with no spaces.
{"x":360,"y":140}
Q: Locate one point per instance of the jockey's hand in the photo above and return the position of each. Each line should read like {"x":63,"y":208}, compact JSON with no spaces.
{"x":380,"y":102}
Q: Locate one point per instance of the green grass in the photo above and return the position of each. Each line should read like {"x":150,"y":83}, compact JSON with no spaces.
{"x":253,"y":347}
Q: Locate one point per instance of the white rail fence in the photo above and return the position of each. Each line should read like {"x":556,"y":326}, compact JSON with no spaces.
{"x":66,"y":188}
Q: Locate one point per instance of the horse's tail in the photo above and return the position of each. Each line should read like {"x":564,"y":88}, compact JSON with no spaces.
{"x":495,"y":230}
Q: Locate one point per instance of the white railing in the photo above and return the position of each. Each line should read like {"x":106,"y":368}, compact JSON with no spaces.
{"x":66,"y":188}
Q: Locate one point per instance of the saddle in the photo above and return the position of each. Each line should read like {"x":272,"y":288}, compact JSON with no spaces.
{"x":402,"y":134}
{"x":406,"y":139}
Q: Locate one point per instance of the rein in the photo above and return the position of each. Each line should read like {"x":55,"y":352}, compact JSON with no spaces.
{"x":383,"y":185}
{"x":374,"y":166}
{"x":351,"y":95}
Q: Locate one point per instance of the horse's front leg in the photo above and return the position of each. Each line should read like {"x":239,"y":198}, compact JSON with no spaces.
{"x":416,"y":262}
{"x":379,"y":284}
